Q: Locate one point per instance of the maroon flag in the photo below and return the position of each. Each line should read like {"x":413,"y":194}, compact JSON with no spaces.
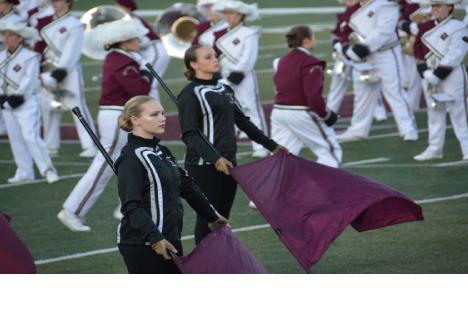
{"x":221,"y":252}
{"x":309,"y":205}
{"x":14,"y":255}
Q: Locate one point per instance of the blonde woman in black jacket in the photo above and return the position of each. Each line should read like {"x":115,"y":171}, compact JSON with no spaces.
{"x":151,"y":185}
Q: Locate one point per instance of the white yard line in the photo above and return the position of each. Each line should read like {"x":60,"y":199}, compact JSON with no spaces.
{"x":427,"y":165}
{"x":238,"y":230}
{"x":64,"y":177}
{"x":109,"y":250}
{"x":56,"y":163}
{"x":366,"y":161}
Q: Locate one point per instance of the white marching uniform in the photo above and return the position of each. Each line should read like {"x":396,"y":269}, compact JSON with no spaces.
{"x":207,"y":37}
{"x":239,"y":47}
{"x":154,"y":52}
{"x":19,"y":75}
{"x":43,"y":10}
{"x":64,"y":38}
{"x":375,"y":22}
{"x":15,"y":18}
{"x":448,"y":45}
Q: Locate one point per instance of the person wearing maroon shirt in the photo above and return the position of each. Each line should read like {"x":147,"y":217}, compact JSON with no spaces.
{"x":152,"y":49}
{"x":299,"y":114}
{"x":122,"y":79}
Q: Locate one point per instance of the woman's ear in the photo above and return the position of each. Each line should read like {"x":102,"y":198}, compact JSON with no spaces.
{"x":135,"y":120}
{"x":194,"y":65}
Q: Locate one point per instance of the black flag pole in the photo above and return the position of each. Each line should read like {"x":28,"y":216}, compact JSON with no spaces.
{"x":93,"y":136}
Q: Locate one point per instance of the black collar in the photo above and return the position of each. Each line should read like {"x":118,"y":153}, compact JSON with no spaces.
{"x":142,"y":141}
{"x":213,"y":81}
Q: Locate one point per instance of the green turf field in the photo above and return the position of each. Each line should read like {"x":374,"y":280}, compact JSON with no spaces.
{"x":437,"y":245}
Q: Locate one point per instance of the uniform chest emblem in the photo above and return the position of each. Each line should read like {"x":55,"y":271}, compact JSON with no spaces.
{"x":169,"y":160}
{"x":343,"y":26}
{"x":444,"y":36}
{"x":236,"y":41}
{"x":62,"y":30}
{"x":17,"y":68}
{"x":370,"y":14}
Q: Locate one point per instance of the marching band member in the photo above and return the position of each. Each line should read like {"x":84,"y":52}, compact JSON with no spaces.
{"x":19,"y":68}
{"x":441,"y":45}
{"x":207,"y":107}
{"x":237,"y":48}
{"x":206,"y":30}
{"x":152,"y":49}
{"x":62,"y":78}
{"x":376,"y":56}
{"x":342,"y":73}
{"x":122,"y":78}
{"x":299,"y":114}
{"x":411,"y":14}
{"x":7,"y":14}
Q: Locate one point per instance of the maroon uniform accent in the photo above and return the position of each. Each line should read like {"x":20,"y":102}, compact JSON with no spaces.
{"x":419,"y":49}
{"x":152,"y":35}
{"x":121,"y":80}
{"x":407,"y":9}
{"x":41,"y":45}
{"x":31,"y":13}
{"x":342,"y":29}
{"x":218,"y":34}
{"x":299,"y":81}
{"x":201,"y":28}
{"x":130,"y":4}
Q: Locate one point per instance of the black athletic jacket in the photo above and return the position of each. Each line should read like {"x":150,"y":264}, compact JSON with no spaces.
{"x":211,"y":107}
{"x":150,"y":187}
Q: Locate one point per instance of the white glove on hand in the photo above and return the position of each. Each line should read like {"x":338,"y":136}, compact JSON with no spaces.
{"x":431,"y":78}
{"x":48,"y":81}
{"x":353,"y":56}
{"x":338,"y":47}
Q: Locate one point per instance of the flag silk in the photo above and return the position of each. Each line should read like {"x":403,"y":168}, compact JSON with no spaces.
{"x":14,"y":255}
{"x":221,"y":252}
{"x":308,"y":205}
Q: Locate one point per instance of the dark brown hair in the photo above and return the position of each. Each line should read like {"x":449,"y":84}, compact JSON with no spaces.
{"x":297,"y":34}
{"x":191,"y":56}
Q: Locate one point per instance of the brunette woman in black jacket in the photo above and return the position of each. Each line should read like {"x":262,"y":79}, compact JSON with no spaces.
{"x":151,"y":185}
{"x":208,"y":114}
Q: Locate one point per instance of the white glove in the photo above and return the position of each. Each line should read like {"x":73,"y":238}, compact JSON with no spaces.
{"x":431,"y":78}
{"x":139,"y":59}
{"x":48,"y":81}
{"x":338,"y":47}
{"x":353,"y":56}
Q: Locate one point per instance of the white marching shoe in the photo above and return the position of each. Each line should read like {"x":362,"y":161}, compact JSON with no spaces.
{"x":51,"y":176}
{"x":252,"y":205}
{"x":348,"y":137}
{"x":89,"y":153}
{"x":72,"y":221}
{"x":412,"y":136}
{"x":428,"y":155}
{"x":14,"y":180}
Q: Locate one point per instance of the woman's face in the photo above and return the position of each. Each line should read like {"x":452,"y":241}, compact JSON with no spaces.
{"x":207,"y":62}
{"x":5,"y":6}
{"x":131,"y":45}
{"x":212,"y":15}
{"x":232,"y":17}
{"x":11,"y":40}
{"x":441,"y":11}
{"x":60,"y":5}
{"x":308,"y":43}
{"x":152,"y":119}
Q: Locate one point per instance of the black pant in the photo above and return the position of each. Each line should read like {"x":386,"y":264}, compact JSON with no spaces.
{"x":141,"y":259}
{"x":220,"y":190}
